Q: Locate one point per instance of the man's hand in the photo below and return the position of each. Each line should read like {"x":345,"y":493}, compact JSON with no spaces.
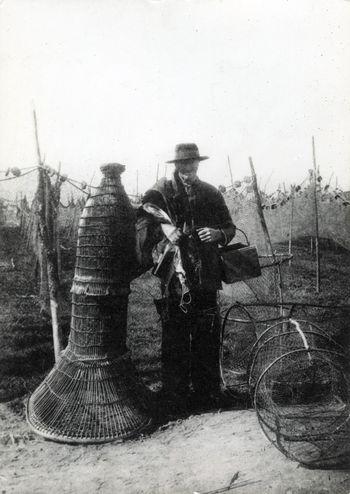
{"x":172,"y":233}
{"x":208,"y":235}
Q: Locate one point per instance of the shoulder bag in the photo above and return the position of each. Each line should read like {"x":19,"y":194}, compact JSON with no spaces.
{"x":239,"y":262}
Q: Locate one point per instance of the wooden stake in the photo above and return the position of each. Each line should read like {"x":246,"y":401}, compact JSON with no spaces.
{"x":291,"y":225}
{"x":316,"y":218}
{"x":57,"y":192}
{"x":330,"y":179}
{"x":39,"y":240}
{"x":46,"y":232}
{"x":229,"y":167}
{"x":260,"y":210}
{"x":266,"y":231}
{"x":40,"y":163}
{"x":20,"y":211}
{"x":281,"y":218}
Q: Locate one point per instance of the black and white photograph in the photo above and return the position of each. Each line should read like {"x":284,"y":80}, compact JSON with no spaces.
{"x":174,"y":246}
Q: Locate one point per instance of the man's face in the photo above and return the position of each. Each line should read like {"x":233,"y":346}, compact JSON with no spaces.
{"x":188,"y":171}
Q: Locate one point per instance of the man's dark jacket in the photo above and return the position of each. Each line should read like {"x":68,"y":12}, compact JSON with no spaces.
{"x":202,"y":205}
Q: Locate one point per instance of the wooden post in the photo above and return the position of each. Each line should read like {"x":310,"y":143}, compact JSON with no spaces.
{"x":21,"y":219}
{"x":137,"y":183}
{"x":330,"y":179}
{"x":31,"y":227}
{"x":59,"y":254}
{"x":229,"y":167}
{"x":57,"y":189}
{"x":47,"y":239}
{"x":260,"y":210}
{"x":316,"y":219}
{"x":40,"y":249}
{"x":291,"y":225}
{"x":281,"y":218}
{"x":52,"y":270}
{"x":266,"y":231}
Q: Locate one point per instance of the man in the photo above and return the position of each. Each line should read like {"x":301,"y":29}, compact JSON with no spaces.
{"x":189,"y":266}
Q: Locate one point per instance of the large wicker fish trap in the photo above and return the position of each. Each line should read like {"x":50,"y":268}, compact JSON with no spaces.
{"x":93,"y":394}
{"x":298,"y":378}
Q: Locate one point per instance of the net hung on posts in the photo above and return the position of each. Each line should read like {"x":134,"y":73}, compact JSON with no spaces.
{"x":93,"y":394}
{"x":298,"y":376}
{"x":254,"y":299}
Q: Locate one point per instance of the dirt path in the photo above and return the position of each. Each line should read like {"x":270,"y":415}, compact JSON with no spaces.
{"x":198,"y":454}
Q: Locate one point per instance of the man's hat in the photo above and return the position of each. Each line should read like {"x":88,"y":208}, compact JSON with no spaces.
{"x":187,"y":152}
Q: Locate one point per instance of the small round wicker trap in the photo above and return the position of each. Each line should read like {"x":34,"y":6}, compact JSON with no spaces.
{"x":93,"y":394}
{"x":299,"y":383}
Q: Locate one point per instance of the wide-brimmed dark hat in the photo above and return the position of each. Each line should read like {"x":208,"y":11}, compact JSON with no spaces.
{"x":186,"y":152}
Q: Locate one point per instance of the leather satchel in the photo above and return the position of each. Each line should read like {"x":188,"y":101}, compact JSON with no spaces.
{"x":239,"y":262}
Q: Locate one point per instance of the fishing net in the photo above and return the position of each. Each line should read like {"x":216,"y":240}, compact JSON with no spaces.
{"x":68,"y":221}
{"x":268,"y":287}
{"x":292,"y":215}
{"x":301,"y":392}
{"x":298,"y":376}
{"x":239,"y":325}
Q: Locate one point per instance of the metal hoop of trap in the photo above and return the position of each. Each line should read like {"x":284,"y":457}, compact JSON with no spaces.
{"x":298,"y":378}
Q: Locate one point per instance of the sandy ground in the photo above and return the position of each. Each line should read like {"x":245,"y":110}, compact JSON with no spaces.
{"x":198,"y":454}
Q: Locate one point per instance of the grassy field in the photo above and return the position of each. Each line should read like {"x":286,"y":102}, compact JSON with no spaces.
{"x":25,"y":333}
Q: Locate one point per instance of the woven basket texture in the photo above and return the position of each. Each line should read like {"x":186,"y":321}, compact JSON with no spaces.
{"x":106,"y":258}
{"x":94,"y":394}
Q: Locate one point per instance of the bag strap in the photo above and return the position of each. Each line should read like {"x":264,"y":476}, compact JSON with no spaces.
{"x":245,"y":236}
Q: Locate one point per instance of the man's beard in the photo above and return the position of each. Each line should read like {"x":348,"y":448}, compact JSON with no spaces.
{"x":188,"y":179}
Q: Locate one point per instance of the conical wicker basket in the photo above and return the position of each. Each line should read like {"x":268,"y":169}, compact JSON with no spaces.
{"x":93,"y":394}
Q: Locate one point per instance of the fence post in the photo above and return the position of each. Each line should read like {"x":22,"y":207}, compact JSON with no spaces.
{"x":46,"y":231}
{"x":40,"y":244}
{"x":266,"y":231}
{"x":52,"y":268}
{"x":21,"y":219}
{"x":317,"y":253}
{"x":56,"y":212}
{"x":291,"y":224}
{"x":230,"y":169}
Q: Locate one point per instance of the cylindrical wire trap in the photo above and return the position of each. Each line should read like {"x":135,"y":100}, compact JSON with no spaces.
{"x":298,"y":377}
{"x":300,"y":389}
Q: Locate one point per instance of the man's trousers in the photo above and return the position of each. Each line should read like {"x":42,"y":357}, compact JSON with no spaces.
{"x":191,"y":346}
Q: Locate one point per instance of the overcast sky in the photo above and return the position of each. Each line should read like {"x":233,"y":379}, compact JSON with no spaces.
{"x":125,"y":80}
